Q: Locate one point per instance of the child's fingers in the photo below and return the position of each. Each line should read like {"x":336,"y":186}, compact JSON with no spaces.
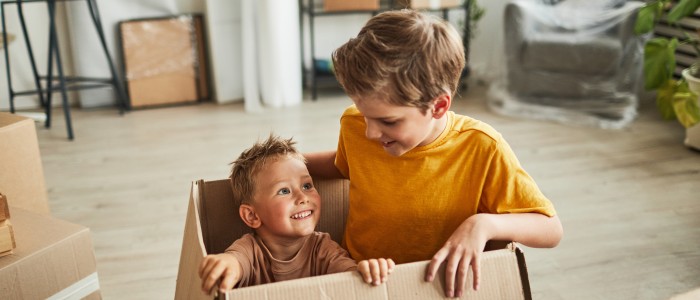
{"x":211,"y":277}
{"x":383,"y":269}
{"x":391,"y":265}
{"x":203,"y":266}
{"x":363,"y":268}
{"x":476,"y":269}
{"x":438,"y":258}
{"x":461,"y":277}
{"x":374,"y":270}
{"x":227,"y":282}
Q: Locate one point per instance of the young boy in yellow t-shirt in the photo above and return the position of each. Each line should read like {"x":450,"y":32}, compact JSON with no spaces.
{"x":279,"y":201}
{"x":425,"y":183}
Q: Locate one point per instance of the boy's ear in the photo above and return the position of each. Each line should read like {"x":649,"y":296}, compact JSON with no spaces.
{"x":441,"y":105}
{"x":248,"y":215}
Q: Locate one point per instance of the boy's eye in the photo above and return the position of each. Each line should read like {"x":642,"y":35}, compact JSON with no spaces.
{"x":389,"y":123}
{"x":283,"y":191}
{"x":308,"y":186}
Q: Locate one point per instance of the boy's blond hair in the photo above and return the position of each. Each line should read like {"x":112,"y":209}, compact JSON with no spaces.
{"x":407,"y":57}
{"x":252,"y":160}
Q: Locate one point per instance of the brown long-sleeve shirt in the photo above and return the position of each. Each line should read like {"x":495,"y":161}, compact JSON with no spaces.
{"x":320,"y":255}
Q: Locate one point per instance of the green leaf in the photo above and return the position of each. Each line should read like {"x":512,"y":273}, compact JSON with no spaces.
{"x":659,"y":61}
{"x":664,"y":99}
{"x":683,"y":9}
{"x":645,"y":19}
{"x":685,"y":107}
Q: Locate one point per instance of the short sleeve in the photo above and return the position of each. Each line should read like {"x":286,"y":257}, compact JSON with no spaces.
{"x":243,"y":249}
{"x":508,"y":188}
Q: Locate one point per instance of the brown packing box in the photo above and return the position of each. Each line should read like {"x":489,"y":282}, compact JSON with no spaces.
{"x":212,"y":224}
{"x":164,"y":60}
{"x":4,"y":208}
{"x":21,"y":172}
{"x":7,"y":238}
{"x":428,"y":4}
{"x":345,"y":5}
{"x":53,"y":259}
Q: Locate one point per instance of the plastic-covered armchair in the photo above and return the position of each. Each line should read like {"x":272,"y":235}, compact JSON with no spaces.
{"x":575,"y":61}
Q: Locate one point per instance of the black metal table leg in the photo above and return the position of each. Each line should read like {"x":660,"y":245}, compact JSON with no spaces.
{"x":7,"y":60}
{"x":59,"y":66}
{"x":23,"y":24}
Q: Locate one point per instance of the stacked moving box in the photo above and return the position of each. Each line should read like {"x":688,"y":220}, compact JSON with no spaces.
{"x":41,"y":257}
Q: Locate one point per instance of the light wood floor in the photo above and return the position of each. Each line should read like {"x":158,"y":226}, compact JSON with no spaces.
{"x":629,"y":200}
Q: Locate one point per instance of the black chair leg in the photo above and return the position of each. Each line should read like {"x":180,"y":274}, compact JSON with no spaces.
{"x":7,"y":60}
{"x":23,"y":24}
{"x":49,"y":79}
{"x":59,"y":67}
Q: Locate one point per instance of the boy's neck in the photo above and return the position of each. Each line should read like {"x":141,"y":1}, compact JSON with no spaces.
{"x":283,"y":248}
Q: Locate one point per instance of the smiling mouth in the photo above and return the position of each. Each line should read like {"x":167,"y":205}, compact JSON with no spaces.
{"x":387,"y":144}
{"x":301,"y":215}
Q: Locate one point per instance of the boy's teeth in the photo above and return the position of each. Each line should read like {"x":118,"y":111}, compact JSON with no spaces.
{"x":301,"y":215}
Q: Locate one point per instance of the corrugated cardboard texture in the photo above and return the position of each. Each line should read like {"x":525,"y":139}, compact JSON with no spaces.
{"x":164,"y":60}
{"x":21,"y":172}
{"x":406,"y":283}
{"x":344,"y":5}
{"x":51,"y":256}
{"x":212,"y":224}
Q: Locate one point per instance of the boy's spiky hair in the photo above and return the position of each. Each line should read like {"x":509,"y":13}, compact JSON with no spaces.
{"x":252,"y":160}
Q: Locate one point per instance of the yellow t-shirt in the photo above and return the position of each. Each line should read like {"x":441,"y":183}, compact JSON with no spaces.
{"x":406,"y":207}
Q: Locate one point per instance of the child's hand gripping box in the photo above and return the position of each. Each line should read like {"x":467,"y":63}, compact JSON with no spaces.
{"x":213,"y":223}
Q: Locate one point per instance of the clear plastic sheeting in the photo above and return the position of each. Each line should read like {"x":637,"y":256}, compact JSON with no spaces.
{"x":576,"y":62}
{"x":160,"y":46}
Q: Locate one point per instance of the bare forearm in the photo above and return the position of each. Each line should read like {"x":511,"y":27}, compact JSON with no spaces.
{"x":530,"y":229}
{"x":322,"y":164}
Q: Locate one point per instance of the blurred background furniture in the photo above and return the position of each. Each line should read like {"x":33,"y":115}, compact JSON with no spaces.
{"x":573,"y":61}
{"x":64,"y":83}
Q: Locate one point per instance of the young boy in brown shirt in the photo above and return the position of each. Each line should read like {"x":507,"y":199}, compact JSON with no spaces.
{"x":279,"y":201}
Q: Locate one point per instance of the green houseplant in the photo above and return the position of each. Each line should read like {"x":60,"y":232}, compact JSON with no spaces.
{"x":675,"y":99}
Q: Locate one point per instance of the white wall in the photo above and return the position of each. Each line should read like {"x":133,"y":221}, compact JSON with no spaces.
{"x":36,"y":17}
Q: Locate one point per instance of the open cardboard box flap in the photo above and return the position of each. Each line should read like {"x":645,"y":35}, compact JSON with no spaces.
{"x":213,"y":223}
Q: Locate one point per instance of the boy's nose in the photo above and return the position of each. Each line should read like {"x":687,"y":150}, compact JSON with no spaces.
{"x":372,"y":132}
{"x":302,"y":198}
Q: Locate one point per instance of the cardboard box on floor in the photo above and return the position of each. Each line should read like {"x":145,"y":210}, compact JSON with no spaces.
{"x":21,"y":173}
{"x":213,"y":223}
{"x":53,"y":258}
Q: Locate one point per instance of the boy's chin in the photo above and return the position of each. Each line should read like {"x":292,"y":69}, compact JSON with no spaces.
{"x":396,"y":152}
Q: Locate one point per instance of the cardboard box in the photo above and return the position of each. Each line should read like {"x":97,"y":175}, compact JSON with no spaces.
{"x":164,"y":60}
{"x":21,"y":172}
{"x":428,"y":4}
{"x":346,"y":5}
{"x":213,"y":223}
{"x":53,"y":259}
